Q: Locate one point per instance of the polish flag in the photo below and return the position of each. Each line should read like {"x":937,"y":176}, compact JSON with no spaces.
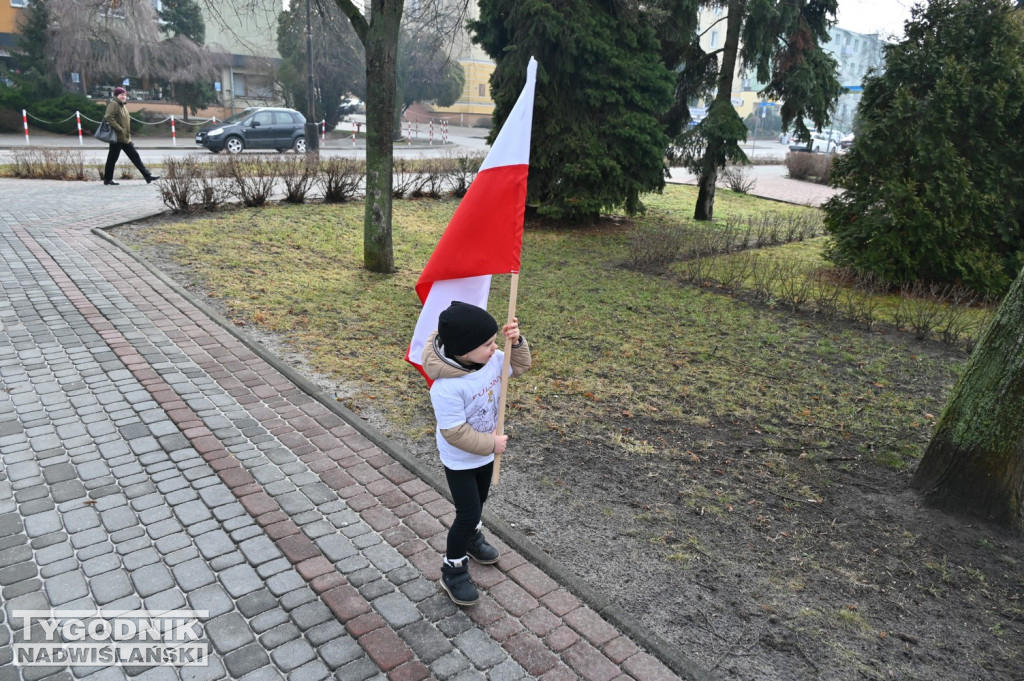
{"x":485,"y":236}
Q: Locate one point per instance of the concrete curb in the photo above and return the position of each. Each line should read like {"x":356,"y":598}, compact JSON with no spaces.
{"x":654,"y":644}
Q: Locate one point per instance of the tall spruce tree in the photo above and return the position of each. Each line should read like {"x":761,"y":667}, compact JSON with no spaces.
{"x":780,"y":40}
{"x":597,"y":141}
{"x":934,"y":187}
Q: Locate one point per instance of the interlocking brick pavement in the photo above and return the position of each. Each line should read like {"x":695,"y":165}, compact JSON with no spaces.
{"x":151,"y":459}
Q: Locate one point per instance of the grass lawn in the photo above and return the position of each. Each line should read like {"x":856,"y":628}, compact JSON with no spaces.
{"x":608,"y":341}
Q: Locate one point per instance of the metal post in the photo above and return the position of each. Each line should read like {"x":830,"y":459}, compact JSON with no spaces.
{"x":312,"y":139}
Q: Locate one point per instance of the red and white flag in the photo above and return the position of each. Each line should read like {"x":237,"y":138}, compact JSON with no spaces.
{"x":485,"y":236}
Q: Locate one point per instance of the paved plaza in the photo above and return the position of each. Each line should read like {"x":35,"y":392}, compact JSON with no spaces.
{"x":152,"y":460}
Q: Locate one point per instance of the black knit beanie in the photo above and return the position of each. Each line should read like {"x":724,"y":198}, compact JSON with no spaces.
{"x":464,"y":327}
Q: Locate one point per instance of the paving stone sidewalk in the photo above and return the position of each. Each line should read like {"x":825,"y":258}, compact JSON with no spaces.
{"x":150,"y":460}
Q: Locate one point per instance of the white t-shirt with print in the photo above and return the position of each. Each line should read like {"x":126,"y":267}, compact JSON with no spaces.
{"x":471,"y":399}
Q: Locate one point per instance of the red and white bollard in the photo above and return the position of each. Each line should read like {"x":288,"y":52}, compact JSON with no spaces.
{"x":408,"y":133}
{"x":431,"y":130}
{"x":444,"y":131}
{"x":174,"y":136}
{"x":214,"y":120}
{"x":78,"y":121}
{"x":323,"y":130}
{"x":24,"y":121}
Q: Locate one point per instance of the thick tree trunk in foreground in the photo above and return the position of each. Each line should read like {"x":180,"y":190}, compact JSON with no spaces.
{"x":381,"y":45}
{"x":706,"y":185}
{"x":974,"y":463}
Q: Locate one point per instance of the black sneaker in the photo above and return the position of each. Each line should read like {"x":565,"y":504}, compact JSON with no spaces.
{"x":150,"y":178}
{"x":480,"y":551}
{"x":110,"y":182}
{"x":456,"y":582}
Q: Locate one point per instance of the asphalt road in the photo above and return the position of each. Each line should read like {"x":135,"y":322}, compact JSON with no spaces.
{"x":459,"y":140}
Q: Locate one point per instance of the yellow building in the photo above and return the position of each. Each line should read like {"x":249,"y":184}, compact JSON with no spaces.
{"x":475,"y":106}
{"x":10,"y":13}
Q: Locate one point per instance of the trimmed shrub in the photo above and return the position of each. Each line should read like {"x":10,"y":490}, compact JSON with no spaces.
{"x":341,"y":178}
{"x":803,"y":165}
{"x":252,"y":178}
{"x":48,"y":163}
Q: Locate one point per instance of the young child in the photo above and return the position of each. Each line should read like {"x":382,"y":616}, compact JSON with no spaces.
{"x":465,"y":364}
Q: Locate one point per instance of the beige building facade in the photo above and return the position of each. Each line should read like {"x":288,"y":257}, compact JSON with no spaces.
{"x":244,"y":33}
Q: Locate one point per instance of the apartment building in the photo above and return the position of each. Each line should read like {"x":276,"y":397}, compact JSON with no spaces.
{"x":244,"y":32}
{"x":857,"y":54}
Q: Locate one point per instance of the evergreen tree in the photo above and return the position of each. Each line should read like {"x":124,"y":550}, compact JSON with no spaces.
{"x":933,"y":185}
{"x":597,"y":142}
{"x":35,"y":72}
{"x":781,"y":41}
{"x":184,"y":17}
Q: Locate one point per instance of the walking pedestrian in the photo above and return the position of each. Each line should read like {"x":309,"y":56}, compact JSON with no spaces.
{"x":119,"y":119}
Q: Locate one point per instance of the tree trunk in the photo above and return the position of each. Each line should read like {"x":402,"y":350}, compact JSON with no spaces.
{"x":974,"y":463}
{"x":714,"y":157}
{"x":706,"y":184}
{"x":381,"y":58}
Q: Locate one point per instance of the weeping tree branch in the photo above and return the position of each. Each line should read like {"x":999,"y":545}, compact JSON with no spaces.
{"x":118,"y":38}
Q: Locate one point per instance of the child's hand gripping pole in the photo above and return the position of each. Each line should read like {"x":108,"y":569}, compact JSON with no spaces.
{"x":506,"y":363}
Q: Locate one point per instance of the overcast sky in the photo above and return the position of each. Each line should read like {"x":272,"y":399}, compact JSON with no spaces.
{"x":875,"y":16}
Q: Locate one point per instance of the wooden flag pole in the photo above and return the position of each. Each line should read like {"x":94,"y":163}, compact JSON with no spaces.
{"x":505,"y":364}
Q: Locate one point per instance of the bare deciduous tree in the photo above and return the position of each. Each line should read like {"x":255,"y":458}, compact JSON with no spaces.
{"x":378,"y":29}
{"x":122,"y":38}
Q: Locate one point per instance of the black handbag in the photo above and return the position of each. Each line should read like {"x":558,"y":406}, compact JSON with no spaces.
{"x":105,"y":133}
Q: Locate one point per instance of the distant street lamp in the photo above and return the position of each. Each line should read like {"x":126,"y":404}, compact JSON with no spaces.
{"x":312,"y":137}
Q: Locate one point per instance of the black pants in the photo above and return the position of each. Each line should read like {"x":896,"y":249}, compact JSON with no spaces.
{"x":469,"y":490}
{"x":115,"y":152}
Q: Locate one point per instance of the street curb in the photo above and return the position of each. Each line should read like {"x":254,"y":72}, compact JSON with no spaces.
{"x":600,"y":603}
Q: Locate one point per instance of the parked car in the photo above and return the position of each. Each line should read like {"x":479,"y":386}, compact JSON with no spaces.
{"x":847,"y":141}
{"x":256,"y":128}
{"x":819,"y":143}
{"x":350,"y":105}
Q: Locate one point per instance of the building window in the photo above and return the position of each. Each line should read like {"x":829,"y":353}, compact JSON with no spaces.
{"x":714,"y":38}
{"x":482,"y":89}
{"x":19,"y":3}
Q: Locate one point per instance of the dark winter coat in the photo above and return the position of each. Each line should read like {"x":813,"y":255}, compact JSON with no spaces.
{"x":119,"y":119}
